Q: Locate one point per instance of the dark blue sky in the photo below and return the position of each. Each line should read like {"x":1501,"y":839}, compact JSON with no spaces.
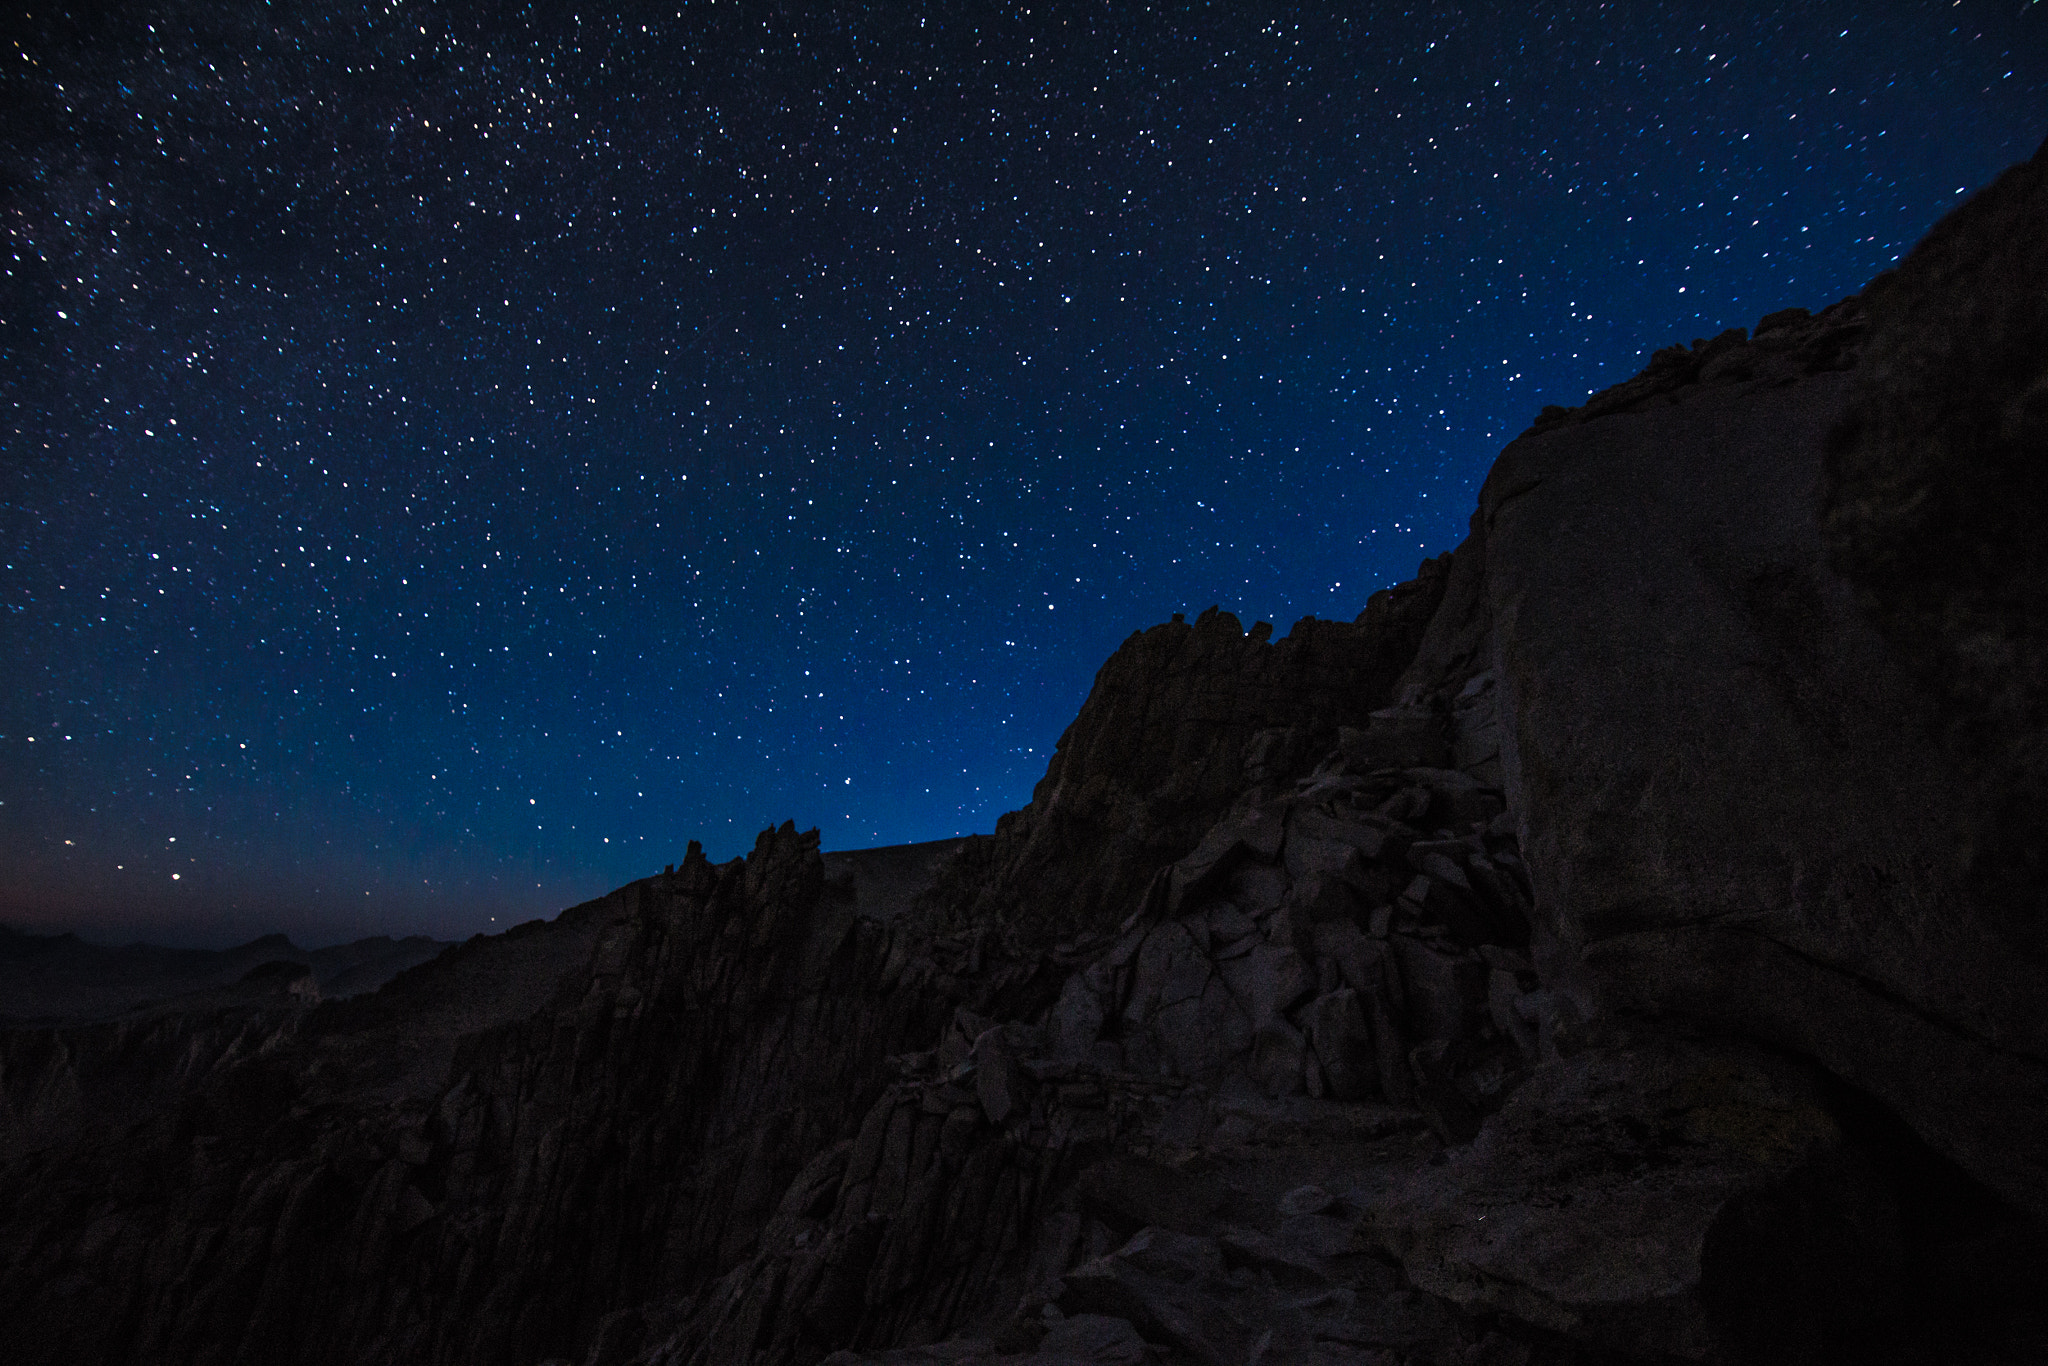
{"x":453,"y":458}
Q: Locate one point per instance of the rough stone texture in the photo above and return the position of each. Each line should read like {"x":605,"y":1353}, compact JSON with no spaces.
{"x":1789,"y":346}
{"x":1667,"y":1152}
{"x":1936,"y":496}
{"x":1612,"y":948}
{"x":604,"y":1123}
{"x":1181,"y":719}
{"x":1735,"y":807}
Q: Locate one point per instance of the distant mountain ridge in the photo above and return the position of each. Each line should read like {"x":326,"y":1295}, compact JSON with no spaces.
{"x":61,"y":978}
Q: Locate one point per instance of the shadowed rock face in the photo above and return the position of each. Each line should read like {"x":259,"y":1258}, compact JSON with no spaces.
{"x":1734,"y":809}
{"x":478,"y":1162}
{"x":1614,"y":947}
{"x":1754,"y":790}
{"x":1165,"y":743}
{"x":1714,"y":1205}
{"x":1934,"y":503}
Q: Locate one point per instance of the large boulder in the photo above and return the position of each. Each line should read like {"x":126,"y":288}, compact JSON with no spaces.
{"x":1661,"y":1199}
{"x":1742,"y":802}
{"x":1935,"y":503}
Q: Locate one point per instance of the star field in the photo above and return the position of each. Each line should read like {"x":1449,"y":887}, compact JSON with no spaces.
{"x":451,"y":459}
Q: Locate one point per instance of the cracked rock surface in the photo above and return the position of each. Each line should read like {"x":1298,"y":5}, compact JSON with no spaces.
{"x":1620,"y":944}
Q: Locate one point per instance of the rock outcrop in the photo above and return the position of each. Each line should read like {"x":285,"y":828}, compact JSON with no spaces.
{"x":1181,"y":721}
{"x":479,"y":1162}
{"x":1935,"y":497}
{"x":1620,"y":945}
{"x":1742,"y":801}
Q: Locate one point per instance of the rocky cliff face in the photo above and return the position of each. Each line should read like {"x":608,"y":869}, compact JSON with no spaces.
{"x":1182,"y":721}
{"x":1618,"y":945}
{"x":1934,"y":499}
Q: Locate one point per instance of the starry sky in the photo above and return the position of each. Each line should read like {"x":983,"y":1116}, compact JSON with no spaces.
{"x":454,"y":455}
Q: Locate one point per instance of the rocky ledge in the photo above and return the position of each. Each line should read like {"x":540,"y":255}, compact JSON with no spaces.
{"x":1622,"y":944}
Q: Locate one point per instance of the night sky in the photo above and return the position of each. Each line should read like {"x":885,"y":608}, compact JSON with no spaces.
{"x":452,"y":459}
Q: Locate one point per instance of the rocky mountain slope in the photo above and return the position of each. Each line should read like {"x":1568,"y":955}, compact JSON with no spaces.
{"x":1620,"y":944}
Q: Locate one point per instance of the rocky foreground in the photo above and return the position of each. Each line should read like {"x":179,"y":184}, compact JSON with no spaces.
{"x":1623,"y":943}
